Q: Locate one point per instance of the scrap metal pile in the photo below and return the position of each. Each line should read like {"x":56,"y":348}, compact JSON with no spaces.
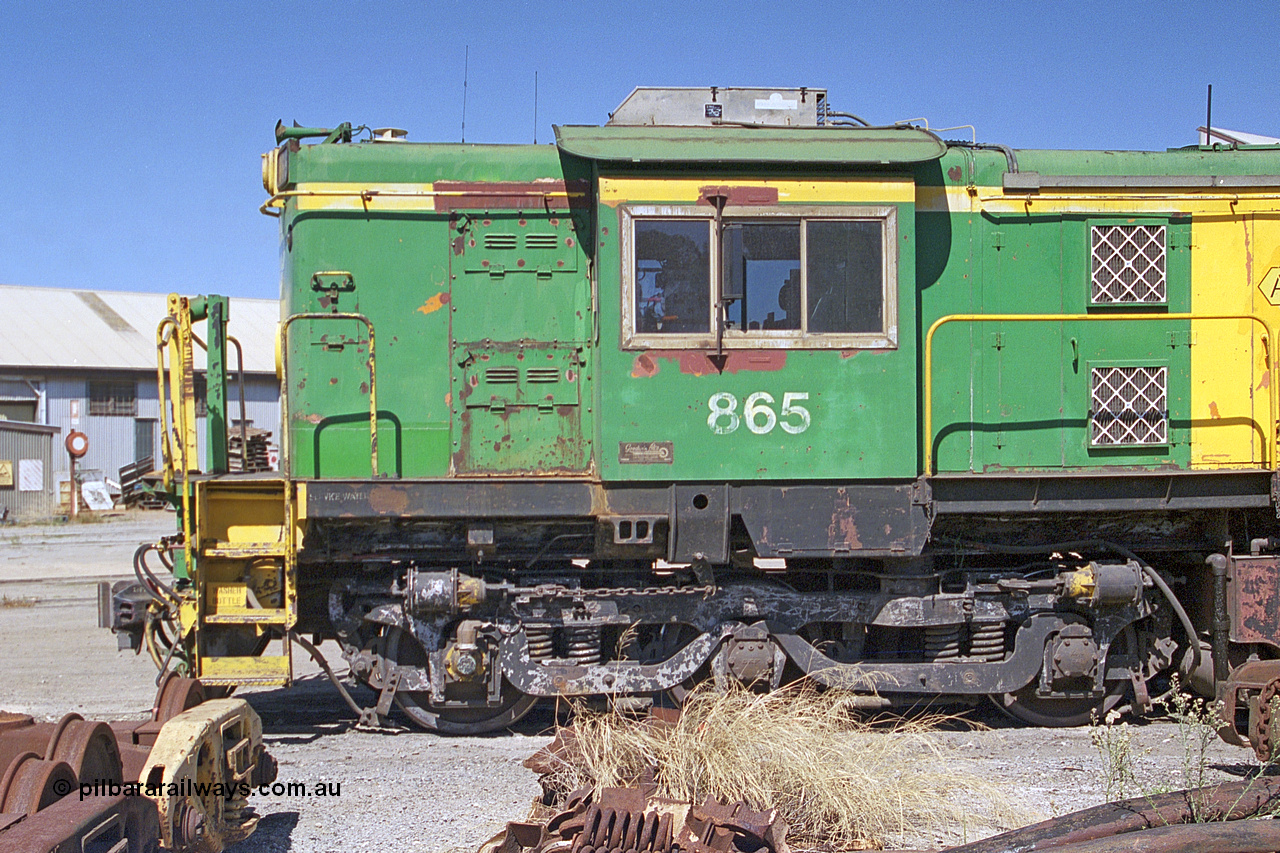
{"x":178,"y":780}
{"x":633,"y":820}
{"x":1213,"y":819}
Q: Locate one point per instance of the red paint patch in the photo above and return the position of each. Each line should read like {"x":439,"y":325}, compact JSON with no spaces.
{"x":696,"y":362}
{"x":644,"y":366}
{"x":740,"y":195}
{"x":954,"y":173}
{"x":1213,"y":412}
{"x":1266,"y":381}
{"x":508,"y":195}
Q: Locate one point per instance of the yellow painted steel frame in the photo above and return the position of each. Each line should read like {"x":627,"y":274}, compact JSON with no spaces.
{"x":1270,"y":452}
{"x":285,"y":443}
{"x":174,"y":335}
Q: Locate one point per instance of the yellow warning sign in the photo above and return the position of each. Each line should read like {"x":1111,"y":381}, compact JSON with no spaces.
{"x":6,"y":473}
{"x":1270,"y":286}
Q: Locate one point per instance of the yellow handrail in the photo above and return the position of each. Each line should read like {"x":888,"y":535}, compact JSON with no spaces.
{"x":286,"y":430}
{"x":1268,"y":336}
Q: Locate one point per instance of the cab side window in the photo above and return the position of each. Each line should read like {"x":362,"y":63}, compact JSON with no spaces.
{"x":801,"y":277}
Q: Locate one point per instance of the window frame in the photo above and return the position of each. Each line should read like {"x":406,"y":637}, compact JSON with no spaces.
{"x":112,"y":404}
{"x":885,"y":214}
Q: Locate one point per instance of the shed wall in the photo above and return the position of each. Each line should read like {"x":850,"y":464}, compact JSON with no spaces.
{"x":20,"y":442}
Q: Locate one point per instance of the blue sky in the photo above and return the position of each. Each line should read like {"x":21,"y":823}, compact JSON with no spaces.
{"x":134,"y":129}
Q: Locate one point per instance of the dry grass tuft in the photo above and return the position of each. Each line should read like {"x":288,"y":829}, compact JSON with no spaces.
{"x":24,"y":601}
{"x":838,"y":783}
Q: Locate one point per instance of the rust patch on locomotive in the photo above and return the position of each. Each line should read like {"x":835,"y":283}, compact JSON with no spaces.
{"x":843,"y":532}
{"x":508,"y":195}
{"x":1253,"y":598}
{"x":697,"y":363}
{"x":388,"y":500}
{"x":739,"y":195}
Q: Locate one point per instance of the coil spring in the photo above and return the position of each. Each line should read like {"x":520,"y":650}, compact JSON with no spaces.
{"x":941,"y":642}
{"x":582,"y":642}
{"x":539,"y":640}
{"x":986,"y":641}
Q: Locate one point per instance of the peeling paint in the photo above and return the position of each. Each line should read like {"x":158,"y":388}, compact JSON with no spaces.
{"x":435,"y":303}
{"x":386,"y":500}
{"x":739,"y":195}
{"x":697,"y":363}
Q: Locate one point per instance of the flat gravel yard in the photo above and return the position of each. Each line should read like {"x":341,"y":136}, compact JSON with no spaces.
{"x":412,"y":790}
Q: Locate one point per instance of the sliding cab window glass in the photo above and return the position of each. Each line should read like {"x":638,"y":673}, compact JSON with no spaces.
{"x":762,"y":276}
{"x":845,"y":276}
{"x":803,"y":277}
{"x":672,"y":276}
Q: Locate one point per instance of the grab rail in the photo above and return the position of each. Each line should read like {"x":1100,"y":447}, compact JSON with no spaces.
{"x":1268,"y":337}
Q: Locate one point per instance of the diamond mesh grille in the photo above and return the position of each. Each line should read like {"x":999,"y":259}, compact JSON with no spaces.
{"x":1129,"y":406}
{"x":1128,"y":263}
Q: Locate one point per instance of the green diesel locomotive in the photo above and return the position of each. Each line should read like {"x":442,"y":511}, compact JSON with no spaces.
{"x":737,"y":387}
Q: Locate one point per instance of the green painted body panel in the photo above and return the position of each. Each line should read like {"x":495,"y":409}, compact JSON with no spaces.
{"x":489,"y":366}
{"x":792,"y":146}
{"x":412,"y":162}
{"x":1184,"y":161}
{"x":452,"y":294}
{"x":397,"y":265}
{"x":861,"y":403}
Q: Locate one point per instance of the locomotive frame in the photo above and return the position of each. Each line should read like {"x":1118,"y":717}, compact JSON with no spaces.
{"x":540,"y":437}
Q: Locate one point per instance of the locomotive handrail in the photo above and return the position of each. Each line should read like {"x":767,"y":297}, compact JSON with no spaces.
{"x":286,"y":447}
{"x":1268,"y":336}
{"x":367,"y":195}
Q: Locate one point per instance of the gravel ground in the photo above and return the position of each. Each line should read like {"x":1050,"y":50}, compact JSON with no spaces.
{"x":416,"y":791}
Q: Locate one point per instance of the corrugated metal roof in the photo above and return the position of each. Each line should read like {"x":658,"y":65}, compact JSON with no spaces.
{"x":46,"y":327}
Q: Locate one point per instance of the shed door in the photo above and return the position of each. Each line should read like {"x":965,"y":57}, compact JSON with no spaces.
{"x":521,"y":315}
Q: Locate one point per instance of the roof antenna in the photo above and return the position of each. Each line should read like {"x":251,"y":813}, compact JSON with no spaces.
{"x":466,"y":55}
{"x":1208,"y":118}
{"x":535,"y":108}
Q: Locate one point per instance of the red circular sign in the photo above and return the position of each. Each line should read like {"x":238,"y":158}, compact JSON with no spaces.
{"x":77,"y":443}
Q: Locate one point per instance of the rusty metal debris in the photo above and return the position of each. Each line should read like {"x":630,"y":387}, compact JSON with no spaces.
{"x":130,"y":787}
{"x":634,"y":820}
{"x":1204,"y":820}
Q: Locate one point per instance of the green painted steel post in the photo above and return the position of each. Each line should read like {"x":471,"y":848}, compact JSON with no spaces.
{"x":219,"y":312}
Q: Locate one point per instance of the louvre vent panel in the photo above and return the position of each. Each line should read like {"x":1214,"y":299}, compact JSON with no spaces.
{"x":1130,"y":406}
{"x":1128,"y":264}
{"x":543,"y":374}
{"x":541,"y":241}
{"x":499,"y":241}
{"x":502,"y":375}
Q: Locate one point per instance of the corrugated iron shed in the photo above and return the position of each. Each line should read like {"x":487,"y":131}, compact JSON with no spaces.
{"x":45,"y":327}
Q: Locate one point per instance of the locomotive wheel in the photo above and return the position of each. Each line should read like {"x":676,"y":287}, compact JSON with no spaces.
{"x":404,"y":650}
{"x":1026,"y":706}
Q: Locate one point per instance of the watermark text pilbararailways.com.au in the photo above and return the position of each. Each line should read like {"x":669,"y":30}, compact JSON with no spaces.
{"x":190,"y":787}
